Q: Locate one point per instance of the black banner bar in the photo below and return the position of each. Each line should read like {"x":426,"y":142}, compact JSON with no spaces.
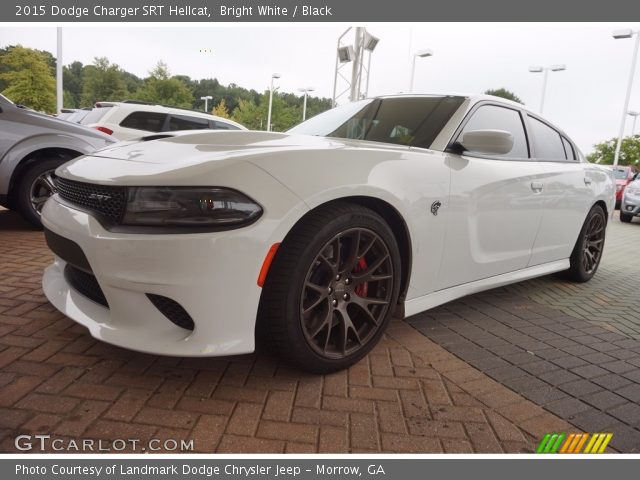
{"x":317,"y":11}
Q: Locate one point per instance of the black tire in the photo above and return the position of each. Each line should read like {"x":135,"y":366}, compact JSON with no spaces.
{"x":625,"y":217}
{"x":331,"y":331}
{"x":587,"y":252}
{"x":33,"y":186}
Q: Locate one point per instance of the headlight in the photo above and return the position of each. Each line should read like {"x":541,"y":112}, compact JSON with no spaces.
{"x":204,"y":207}
{"x":632,"y":191}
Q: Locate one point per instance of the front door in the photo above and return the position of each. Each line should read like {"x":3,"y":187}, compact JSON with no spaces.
{"x":494,"y":207}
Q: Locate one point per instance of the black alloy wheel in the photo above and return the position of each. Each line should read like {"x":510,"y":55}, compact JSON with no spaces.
{"x":331,"y":289}
{"x":587,"y":252}
{"x":347,"y":293}
{"x":593,"y":244}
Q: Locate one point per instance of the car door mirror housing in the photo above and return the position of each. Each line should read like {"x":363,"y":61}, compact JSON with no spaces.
{"x":488,"y":142}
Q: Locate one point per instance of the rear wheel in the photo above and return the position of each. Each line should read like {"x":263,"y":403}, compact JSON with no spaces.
{"x":332,"y":288}
{"x":625,"y":217}
{"x":35,"y":188}
{"x":587,"y":252}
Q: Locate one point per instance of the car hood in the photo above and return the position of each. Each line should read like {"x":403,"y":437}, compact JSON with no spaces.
{"x":622,"y":181}
{"x":160,"y":154}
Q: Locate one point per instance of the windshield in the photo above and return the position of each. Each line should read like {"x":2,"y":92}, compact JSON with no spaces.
{"x":414,"y":121}
{"x":620,"y":173}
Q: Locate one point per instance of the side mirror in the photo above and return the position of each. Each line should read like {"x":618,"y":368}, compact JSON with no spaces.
{"x":491,"y":142}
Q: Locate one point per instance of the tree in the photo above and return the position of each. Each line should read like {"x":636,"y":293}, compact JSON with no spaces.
{"x":629,"y":151}
{"x":254,"y":116}
{"x":28,"y":78}
{"x":250,"y":115}
{"x":102,"y":81}
{"x":504,"y":93}
{"x":220,"y":110}
{"x":131,"y":82}
{"x":72,"y":81}
{"x":163,"y":89}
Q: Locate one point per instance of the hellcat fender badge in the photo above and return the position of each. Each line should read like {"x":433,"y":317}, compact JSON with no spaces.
{"x":435,"y":206}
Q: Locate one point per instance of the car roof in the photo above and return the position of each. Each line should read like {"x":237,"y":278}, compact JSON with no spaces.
{"x":473,"y":97}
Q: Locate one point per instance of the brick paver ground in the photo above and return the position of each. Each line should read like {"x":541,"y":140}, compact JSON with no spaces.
{"x":408,"y":395}
{"x":573,"y":349}
{"x":612,"y":298}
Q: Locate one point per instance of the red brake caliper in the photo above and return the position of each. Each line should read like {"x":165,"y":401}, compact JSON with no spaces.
{"x":362,"y":289}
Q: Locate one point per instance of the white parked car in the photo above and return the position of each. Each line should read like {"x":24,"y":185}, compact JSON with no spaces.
{"x":131,"y":120}
{"x":313,"y":238}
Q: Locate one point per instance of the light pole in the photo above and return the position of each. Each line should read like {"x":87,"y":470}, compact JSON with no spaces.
{"x":59,"y":91}
{"x":273,"y":77}
{"x":206,"y":102}
{"x":634,"y":114}
{"x":306,"y":91}
{"x":422,"y":54}
{"x":538,"y":69}
{"x":618,"y":34}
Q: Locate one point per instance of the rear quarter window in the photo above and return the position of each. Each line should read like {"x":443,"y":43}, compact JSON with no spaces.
{"x":185,"y":122}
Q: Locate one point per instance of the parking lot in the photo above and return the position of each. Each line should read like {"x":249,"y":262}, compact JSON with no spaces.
{"x":493,"y":372}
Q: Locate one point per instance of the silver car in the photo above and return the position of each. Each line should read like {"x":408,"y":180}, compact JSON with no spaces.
{"x":32,"y":146}
{"x":630,"y":205}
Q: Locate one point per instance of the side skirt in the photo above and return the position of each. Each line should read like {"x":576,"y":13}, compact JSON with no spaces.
{"x":425,"y":302}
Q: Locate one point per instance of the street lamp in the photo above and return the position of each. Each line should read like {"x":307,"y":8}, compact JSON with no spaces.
{"x":206,"y":102}
{"x":422,"y":54}
{"x":619,"y":34}
{"x":634,"y":114}
{"x":539,"y":69}
{"x":274,"y":76}
{"x":304,"y":104}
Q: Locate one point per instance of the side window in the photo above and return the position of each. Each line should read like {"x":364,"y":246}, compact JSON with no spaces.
{"x":183,"y":122}
{"x":492,"y":117}
{"x":148,"y":121}
{"x":568,"y":149}
{"x":547,"y":142}
{"x":216,"y":125}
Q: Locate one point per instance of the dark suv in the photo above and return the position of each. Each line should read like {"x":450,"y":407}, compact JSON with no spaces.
{"x":32,"y":146}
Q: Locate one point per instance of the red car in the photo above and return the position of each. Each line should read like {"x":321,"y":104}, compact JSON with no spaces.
{"x":624,"y":176}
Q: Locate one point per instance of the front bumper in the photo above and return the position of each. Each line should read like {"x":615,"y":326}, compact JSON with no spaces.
{"x":630,"y":205}
{"x":211,"y":275}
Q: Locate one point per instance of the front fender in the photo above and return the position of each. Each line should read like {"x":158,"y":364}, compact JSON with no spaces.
{"x":32,"y":144}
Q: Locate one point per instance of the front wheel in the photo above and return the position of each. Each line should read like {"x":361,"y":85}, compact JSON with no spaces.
{"x":35,"y":188}
{"x":587,"y":252}
{"x":332,"y":288}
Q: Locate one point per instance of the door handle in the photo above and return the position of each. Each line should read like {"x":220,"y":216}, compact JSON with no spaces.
{"x":537,"y":186}
{"x":587,"y":181}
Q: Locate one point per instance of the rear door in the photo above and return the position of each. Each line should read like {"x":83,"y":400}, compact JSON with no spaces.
{"x":566,"y":194}
{"x":495,"y":207}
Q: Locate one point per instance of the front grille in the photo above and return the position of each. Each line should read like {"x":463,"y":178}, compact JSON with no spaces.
{"x":172,"y":310}
{"x":107,"y":201}
{"x":86,"y":284}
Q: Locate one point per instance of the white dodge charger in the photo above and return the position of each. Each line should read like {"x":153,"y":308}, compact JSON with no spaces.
{"x":197,"y":243}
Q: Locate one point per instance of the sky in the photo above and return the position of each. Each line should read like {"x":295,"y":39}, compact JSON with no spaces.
{"x":586,"y":100}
